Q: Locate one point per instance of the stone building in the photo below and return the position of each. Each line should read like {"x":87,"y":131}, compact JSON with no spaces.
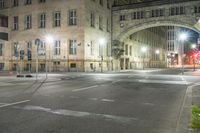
{"x":79,"y":33}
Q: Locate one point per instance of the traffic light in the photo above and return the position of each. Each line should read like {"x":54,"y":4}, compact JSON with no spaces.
{"x":29,"y":55}
{"x":21,"y":54}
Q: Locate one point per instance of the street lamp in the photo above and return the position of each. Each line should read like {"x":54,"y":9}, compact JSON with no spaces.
{"x":157,"y":53}
{"x":101,"y":44}
{"x":49,"y":39}
{"x":16,"y":45}
{"x":194,"y":56}
{"x":143,"y":49}
{"x":183,"y":37}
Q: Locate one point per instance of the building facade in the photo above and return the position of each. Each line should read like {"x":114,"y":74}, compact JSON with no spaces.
{"x":79,"y":33}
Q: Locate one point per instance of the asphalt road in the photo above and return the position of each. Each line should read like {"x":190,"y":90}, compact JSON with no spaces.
{"x":131,"y":102}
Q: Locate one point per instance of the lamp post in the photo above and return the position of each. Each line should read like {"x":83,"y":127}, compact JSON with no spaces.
{"x":37,"y":43}
{"x":143,"y":49}
{"x":49,"y":40}
{"x":101,"y":44}
{"x":182,"y":37}
{"x":16,"y":45}
{"x":157,"y":53}
{"x":194,"y":57}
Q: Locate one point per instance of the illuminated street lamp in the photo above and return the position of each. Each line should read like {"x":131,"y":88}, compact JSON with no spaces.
{"x":143,"y":49}
{"x":101,"y":44}
{"x":157,"y":53}
{"x":49,"y":39}
{"x":194,"y":56}
{"x":182,"y":37}
{"x":193,"y":46}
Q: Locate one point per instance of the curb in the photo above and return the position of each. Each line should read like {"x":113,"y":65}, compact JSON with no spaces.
{"x":185,"y":113}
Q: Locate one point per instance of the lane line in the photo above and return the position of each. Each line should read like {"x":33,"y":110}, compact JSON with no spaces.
{"x":72,"y":113}
{"x":164,"y":82}
{"x":86,"y":88}
{"x":107,"y":100}
{"x":15,"y":103}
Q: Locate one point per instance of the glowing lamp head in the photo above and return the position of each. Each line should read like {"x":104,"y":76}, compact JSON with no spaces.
{"x":193,"y":46}
{"x":157,"y":51}
{"x":102,"y":41}
{"x":183,"y":36}
{"x":144,"y":49}
{"x":49,"y":39}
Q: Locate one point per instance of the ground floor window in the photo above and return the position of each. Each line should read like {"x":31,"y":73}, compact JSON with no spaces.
{"x":73,"y":65}
{"x":42,"y":67}
{"x":1,"y":66}
{"x":29,"y":67}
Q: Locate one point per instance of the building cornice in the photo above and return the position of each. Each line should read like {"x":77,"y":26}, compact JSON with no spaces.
{"x":149,"y":4}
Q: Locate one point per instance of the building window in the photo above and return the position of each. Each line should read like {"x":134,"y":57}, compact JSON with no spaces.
{"x":177,"y":11}
{"x":57,"y":47}
{"x":138,"y":15}
{"x":28,"y":22}
{"x":42,"y":20}
{"x":100,"y":22}
{"x":122,"y":18}
{"x":108,"y":25}
{"x":27,"y":2}
{"x":108,"y":4}
{"x":42,"y":1}
{"x":15,"y":49}
{"x":157,"y":13}
{"x":92,"y":20}
{"x":72,"y":17}
{"x":1,"y":49}
{"x":197,"y":9}
{"x":15,"y":3}
{"x":73,"y":65}
{"x":130,"y":50}
{"x":91,"y":48}
{"x":56,"y":18}
{"x":2,"y":4}
{"x":15,"y":23}
{"x":1,"y":66}
{"x":72,"y":47}
{"x":29,"y":48}
{"x":42,"y":49}
{"x":101,"y":2}
{"x":126,"y":49}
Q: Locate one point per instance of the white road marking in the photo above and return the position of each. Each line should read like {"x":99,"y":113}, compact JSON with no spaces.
{"x":113,"y":82}
{"x":86,"y":88}
{"x":74,"y":97}
{"x":149,"y":104}
{"x":93,"y":99}
{"x":164,"y":82}
{"x":6,"y":84}
{"x":66,"y":112}
{"x":107,"y":100}
{"x":15,"y":103}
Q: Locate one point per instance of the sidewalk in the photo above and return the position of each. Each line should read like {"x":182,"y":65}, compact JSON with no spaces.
{"x":196,"y":101}
{"x":191,"y":72}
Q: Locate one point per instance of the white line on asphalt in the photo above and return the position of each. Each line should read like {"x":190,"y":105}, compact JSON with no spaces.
{"x":66,"y":112}
{"x":107,"y":100}
{"x":149,"y":104}
{"x":15,"y":103}
{"x":113,"y":82}
{"x":93,"y":99}
{"x":86,"y":88}
{"x":164,"y":82}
